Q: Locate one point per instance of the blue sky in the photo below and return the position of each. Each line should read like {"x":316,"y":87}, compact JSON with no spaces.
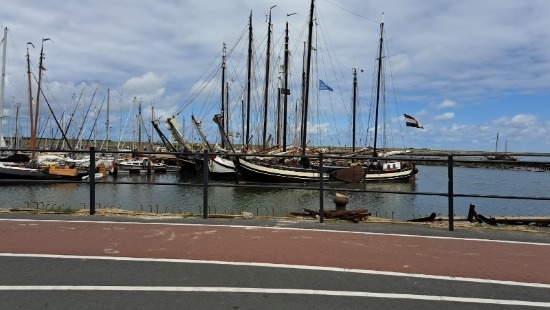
{"x":466,"y":70}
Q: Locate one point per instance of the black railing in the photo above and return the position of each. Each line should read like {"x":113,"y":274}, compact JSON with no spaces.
{"x":437,"y":159}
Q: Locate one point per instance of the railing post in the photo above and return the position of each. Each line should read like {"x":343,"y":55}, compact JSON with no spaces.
{"x":321,"y":190}
{"x":205,"y":185}
{"x":450,"y":192}
{"x":91,"y":177}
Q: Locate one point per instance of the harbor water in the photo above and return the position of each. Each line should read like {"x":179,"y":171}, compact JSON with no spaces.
{"x":181,"y":193}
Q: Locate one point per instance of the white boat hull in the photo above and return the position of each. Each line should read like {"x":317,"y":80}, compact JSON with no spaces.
{"x":220,"y":165}
{"x":139,"y":165}
{"x":380,"y":176}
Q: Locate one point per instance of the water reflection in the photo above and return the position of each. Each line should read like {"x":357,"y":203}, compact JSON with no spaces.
{"x":275,"y":201}
{"x":184,"y":194}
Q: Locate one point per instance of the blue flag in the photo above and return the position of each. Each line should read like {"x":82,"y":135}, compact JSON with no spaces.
{"x":324,"y":86}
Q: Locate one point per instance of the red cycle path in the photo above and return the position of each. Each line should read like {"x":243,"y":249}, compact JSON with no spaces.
{"x":483,"y":259}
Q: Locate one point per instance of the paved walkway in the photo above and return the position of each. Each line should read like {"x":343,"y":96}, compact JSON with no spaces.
{"x":400,"y":248}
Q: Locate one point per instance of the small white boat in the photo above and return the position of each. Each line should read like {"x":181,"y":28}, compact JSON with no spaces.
{"x":139,"y":165}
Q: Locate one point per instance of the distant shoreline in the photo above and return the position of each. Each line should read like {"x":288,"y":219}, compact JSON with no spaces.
{"x":511,"y":165}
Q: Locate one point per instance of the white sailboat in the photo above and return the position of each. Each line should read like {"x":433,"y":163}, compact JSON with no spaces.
{"x":383,"y":168}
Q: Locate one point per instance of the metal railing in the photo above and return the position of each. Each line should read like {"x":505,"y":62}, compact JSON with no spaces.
{"x":319,"y":186}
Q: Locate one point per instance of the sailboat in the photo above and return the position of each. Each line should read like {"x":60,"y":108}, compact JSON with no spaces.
{"x":11,"y":156}
{"x":217,"y":165}
{"x":186,"y":159}
{"x":501,"y":156}
{"x":15,"y":167}
{"x":287,"y":170}
{"x":381,"y":167}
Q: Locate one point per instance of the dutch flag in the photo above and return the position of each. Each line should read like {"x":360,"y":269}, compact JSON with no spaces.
{"x":411,"y":122}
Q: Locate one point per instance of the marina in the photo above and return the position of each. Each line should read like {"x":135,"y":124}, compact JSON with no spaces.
{"x":252,"y":133}
{"x":182,"y":193}
{"x":298,"y":154}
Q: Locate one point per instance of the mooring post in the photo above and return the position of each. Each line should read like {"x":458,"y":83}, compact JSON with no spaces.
{"x":321,"y":190}
{"x":205,"y":185}
{"x":471,"y":213}
{"x":91,"y":177}
{"x":451,"y":193}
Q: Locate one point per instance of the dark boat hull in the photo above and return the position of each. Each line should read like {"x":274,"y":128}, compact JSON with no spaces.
{"x":261,"y":173}
{"x":356,"y":174}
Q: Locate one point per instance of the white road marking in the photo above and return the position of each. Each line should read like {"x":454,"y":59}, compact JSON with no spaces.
{"x":270,"y":265}
{"x":247,"y":290}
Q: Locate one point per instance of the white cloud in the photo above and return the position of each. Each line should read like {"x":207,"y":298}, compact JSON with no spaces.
{"x":444,"y":116}
{"x":517,"y":120}
{"x":149,"y":84}
{"x":446,"y":104}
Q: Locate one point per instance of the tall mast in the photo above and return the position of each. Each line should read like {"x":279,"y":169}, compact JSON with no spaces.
{"x":302,"y":94}
{"x":279,"y":90}
{"x":78,"y":142}
{"x":41,"y":68}
{"x":139,"y":126}
{"x":354,"y":108}
{"x":243,"y":111}
{"x":107,"y":123}
{"x":306,"y":83}
{"x":31,"y":114}
{"x":248,"y":81}
{"x":223,"y":107}
{"x":378,"y":87}
{"x":2,"y":83}
{"x":152,"y":139}
{"x":119,"y":127}
{"x":227,"y":118}
{"x":134,"y":134}
{"x":285,"y":89}
{"x":17,"y":140}
{"x":266,"y":87}
{"x":496,"y":145}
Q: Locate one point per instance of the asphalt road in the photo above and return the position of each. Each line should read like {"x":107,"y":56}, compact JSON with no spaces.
{"x":97,"y":262}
